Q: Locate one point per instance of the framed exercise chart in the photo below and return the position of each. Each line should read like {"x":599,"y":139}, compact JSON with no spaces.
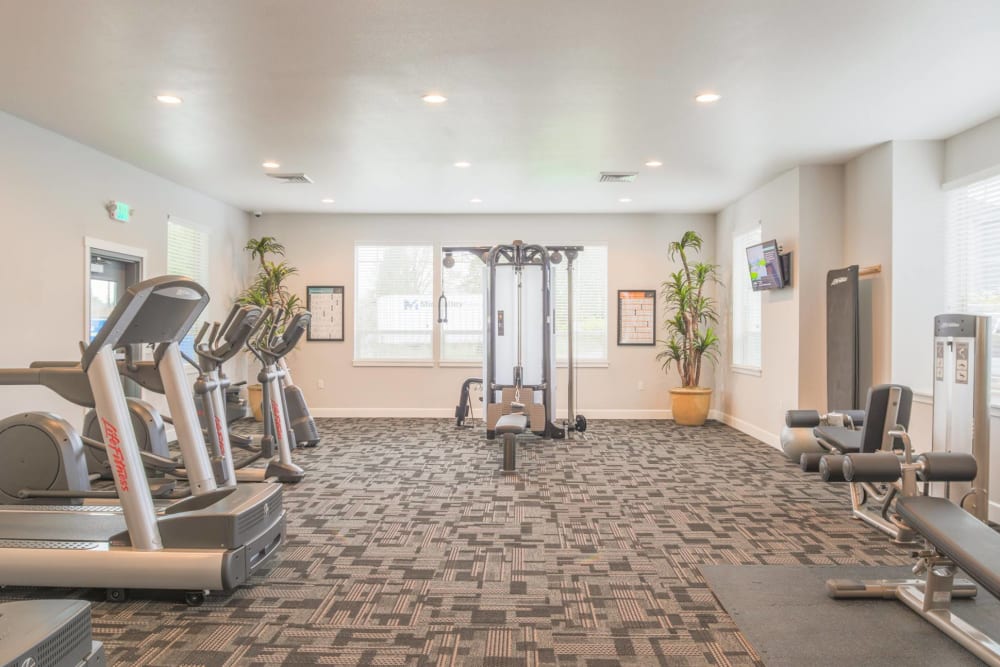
{"x":326,"y":303}
{"x":636,"y":317}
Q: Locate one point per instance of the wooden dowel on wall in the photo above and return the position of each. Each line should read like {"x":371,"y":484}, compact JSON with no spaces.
{"x":870,"y":270}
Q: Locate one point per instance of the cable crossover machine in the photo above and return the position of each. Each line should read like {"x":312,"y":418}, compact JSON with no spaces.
{"x":519,"y":357}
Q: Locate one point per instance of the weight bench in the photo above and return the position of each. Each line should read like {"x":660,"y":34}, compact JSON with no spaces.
{"x":887,"y":477}
{"x":955,"y":539}
{"x":887,"y":407}
{"x":509,"y":427}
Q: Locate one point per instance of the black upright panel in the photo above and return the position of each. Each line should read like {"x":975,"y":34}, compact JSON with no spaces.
{"x":843,"y":336}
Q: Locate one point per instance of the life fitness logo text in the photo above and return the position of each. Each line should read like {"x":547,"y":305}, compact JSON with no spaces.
{"x":218,"y":432}
{"x":114,"y":443}
{"x":277,"y":417}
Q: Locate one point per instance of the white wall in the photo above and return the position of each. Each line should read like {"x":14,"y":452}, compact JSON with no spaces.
{"x":918,"y":238}
{"x":973,"y":154}
{"x":322,"y":247}
{"x":52,"y":192}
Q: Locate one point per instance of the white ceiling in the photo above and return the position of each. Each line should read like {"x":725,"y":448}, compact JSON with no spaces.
{"x":543,"y":94}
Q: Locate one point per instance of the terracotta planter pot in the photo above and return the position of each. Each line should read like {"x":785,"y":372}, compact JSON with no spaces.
{"x":690,"y":405}
{"x":255,"y":394}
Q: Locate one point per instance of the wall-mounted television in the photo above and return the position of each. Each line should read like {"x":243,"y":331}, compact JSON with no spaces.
{"x":766,"y":269}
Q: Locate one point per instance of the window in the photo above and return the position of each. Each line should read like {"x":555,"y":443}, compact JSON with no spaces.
{"x":394,"y":303}
{"x":746,"y":305}
{"x":187,"y":255}
{"x":462,"y":334}
{"x":972,"y":270}
{"x":590,"y":306}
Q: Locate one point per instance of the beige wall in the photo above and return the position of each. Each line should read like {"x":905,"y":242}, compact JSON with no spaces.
{"x":52,"y":192}
{"x":820,"y":229}
{"x":868,"y":242}
{"x":755,"y":403}
{"x":322,"y":247}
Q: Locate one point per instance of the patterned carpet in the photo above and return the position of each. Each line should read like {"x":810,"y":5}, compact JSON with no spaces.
{"x":408,"y":546}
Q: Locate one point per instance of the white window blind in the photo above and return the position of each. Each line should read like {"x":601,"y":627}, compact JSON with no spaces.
{"x":394,"y":310}
{"x":746,"y":305}
{"x":462,"y":334}
{"x":187,"y":255}
{"x":590,"y":306}
{"x":972,"y":258}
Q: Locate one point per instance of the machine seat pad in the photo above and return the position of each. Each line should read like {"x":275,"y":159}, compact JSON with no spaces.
{"x":840,"y":438}
{"x":972,"y":545}
{"x":516,"y":423}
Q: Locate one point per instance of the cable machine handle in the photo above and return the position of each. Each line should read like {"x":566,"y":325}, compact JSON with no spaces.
{"x":442,"y":309}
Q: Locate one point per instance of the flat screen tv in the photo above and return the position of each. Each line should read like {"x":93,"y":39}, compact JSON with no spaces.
{"x":764,"y":263}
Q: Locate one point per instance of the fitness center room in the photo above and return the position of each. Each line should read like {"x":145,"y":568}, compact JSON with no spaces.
{"x":500,"y":334}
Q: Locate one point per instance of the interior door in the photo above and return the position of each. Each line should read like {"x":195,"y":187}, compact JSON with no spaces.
{"x":111,"y":274}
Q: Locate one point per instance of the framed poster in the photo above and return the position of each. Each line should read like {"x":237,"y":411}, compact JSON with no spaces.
{"x":326,"y":303}
{"x":636,"y":317}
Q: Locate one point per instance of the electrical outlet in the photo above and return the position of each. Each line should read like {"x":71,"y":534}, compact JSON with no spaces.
{"x":640,"y":385}
{"x":321,"y":384}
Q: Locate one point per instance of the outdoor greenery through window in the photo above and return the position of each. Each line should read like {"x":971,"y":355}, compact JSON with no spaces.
{"x":746,"y":305}
{"x":187,"y":255}
{"x":394,"y":303}
{"x":972,"y":261}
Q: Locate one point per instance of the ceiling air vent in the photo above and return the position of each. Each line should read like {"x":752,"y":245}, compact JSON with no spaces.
{"x":291,"y":178}
{"x":618,"y":176}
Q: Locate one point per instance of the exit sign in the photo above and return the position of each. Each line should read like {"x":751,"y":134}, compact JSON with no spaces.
{"x":119,"y":211}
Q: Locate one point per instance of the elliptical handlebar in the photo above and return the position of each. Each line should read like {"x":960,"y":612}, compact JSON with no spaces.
{"x":229,"y":337}
{"x":270,"y":346}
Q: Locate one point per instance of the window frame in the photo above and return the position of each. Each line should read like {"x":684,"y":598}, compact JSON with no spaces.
{"x":453,"y":363}
{"x":958,"y":225}
{"x":435,"y":334}
{"x":588,"y":363}
{"x":436,"y":360}
{"x":204,"y":280}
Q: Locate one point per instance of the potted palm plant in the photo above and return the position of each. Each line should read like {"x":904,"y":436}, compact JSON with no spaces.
{"x":691,"y":340}
{"x":268,"y":290}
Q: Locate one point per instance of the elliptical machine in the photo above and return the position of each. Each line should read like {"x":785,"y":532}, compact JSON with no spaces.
{"x":270,"y":347}
{"x":299,"y":418}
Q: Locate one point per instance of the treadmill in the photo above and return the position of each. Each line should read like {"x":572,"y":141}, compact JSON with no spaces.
{"x":48,"y":633}
{"x":211,"y":541}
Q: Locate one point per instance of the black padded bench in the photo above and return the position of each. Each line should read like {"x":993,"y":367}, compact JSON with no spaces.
{"x":509,"y":427}
{"x":969,"y":543}
{"x":887,"y":407}
{"x":956,"y":541}
{"x":843,"y":439}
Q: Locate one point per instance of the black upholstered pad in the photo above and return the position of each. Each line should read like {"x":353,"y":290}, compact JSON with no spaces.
{"x":516,"y":423}
{"x":970,"y":544}
{"x":840,"y":438}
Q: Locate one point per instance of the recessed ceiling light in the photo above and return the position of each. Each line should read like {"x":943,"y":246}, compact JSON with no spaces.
{"x":168,"y":99}
{"x":654,"y":163}
{"x":625,"y":200}
{"x":475,"y":200}
{"x":270,"y":164}
{"x":328,"y":200}
{"x":708,"y":98}
{"x":462,"y":164}
{"x":434,"y":98}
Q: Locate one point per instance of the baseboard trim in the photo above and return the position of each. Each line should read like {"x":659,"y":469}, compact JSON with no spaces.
{"x":753,"y":431}
{"x":383,"y":413}
{"x":448,"y":413}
